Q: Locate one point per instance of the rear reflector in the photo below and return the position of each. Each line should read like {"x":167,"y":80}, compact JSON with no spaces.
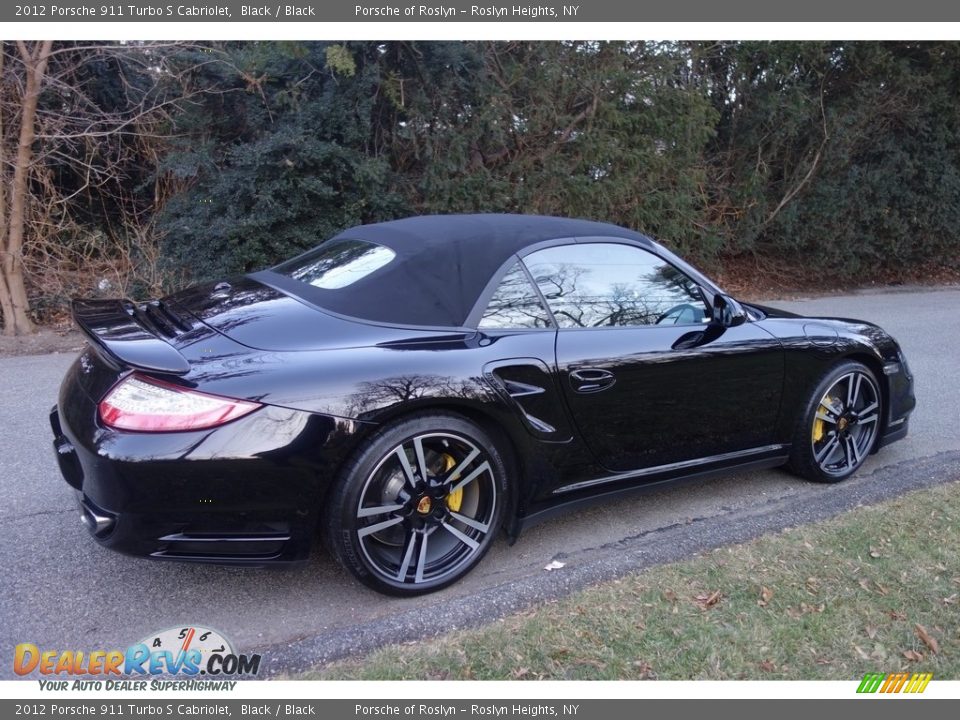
{"x":146,"y":405}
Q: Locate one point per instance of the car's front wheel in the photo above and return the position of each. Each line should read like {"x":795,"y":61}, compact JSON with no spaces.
{"x":839,"y":424}
{"x":419,"y":506}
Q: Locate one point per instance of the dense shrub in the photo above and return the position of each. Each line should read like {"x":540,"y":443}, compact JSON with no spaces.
{"x":846,"y":152}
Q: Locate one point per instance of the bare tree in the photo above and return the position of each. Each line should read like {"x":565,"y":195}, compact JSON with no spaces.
{"x":13,"y":292}
{"x":56,"y":124}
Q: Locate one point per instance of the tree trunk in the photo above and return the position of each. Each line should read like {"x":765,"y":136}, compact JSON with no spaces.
{"x":6,"y":305}
{"x":16,"y":317}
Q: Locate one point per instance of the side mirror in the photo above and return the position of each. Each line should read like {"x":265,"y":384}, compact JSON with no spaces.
{"x":727,"y":312}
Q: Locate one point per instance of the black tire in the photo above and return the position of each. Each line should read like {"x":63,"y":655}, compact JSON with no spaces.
{"x":839,"y":424}
{"x":425,"y":535}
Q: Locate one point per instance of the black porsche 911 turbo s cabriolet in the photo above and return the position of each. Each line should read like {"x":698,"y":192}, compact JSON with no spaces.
{"x":411,"y":387}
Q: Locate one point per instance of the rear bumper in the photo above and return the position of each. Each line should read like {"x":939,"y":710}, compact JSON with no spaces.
{"x":248,"y":492}
{"x":151,"y":536}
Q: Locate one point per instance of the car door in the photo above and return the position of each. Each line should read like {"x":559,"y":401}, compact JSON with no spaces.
{"x":648,"y":379}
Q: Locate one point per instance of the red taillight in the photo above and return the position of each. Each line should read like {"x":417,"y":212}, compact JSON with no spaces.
{"x":146,"y":405}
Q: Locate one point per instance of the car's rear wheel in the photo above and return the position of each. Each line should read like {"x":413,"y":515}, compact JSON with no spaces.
{"x":419,"y":506}
{"x":839,"y":424}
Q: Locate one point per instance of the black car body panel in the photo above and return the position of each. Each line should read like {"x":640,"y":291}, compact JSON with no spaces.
{"x":122,"y":330}
{"x":583,"y":414}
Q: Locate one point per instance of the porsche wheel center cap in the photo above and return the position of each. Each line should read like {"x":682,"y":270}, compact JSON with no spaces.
{"x":424,"y":506}
{"x":842,"y":424}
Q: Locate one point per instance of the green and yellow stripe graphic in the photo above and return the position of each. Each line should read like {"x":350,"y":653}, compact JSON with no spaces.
{"x":894,"y":682}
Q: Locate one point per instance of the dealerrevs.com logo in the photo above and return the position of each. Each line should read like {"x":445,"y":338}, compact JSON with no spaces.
{"x":189,"y":652}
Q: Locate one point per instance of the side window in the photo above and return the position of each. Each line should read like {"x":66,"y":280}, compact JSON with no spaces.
{"x":515,"y":304}
{"x":608,"y":284}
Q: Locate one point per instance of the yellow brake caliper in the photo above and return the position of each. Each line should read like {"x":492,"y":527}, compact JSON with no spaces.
{"x":454,"y":499}
{"x":819,"y":424}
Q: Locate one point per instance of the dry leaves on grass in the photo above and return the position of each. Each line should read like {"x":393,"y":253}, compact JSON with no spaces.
{"x":874,"y":587}
{"x":805,"y":609}
{"x":928,"y":639}
{"x":913,"y":655}
{"x":645,"y":670}
{"x":708,"y":601}
{"x":768,"y":666}
{"x":766,"y":595}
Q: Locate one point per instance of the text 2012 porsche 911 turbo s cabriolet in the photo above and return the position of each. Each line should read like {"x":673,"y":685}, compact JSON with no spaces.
{"x":413,"y":386}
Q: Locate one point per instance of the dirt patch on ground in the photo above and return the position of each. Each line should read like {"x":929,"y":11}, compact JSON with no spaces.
{"x":45,"y":341}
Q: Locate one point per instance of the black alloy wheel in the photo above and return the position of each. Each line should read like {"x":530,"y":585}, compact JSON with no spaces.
{"x":840,"y":425}
{"x":420,"y":505}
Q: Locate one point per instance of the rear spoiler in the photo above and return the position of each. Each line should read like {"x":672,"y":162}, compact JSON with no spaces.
{"x":121,"y":330}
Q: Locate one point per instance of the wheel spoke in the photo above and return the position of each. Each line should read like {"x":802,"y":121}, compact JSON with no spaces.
{"x":405,"y":464}
{"x":865,"y":418}
{"x":407,"y":557}
{"x":479,"y":470}
{"x":421,"y":461}
{"x":379,"y":510}
{"x":452,"y":475}
{"x":826,"y":418}
{"x":827,"y":449}
{"x":470,"y":522}
{"x":830,"y":411}
{"x":846,"y":453}
{"x":422,"y":559}
{"x":853,"y":390}
{"x":854,"y":451}
{"x":369,"y":529}
{"x":465,"y":539}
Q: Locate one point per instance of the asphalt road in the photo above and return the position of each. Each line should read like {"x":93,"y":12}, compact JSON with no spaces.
{"x":62,"y":591}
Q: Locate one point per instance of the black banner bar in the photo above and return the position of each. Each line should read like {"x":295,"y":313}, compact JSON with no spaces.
{"x":496,"y":11}
{"x":480,"y":709}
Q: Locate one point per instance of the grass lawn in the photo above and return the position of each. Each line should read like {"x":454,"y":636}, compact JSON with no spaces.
{"x":874,"y":590}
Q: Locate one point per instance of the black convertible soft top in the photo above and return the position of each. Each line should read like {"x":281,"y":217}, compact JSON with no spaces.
{"x":442,"y":264}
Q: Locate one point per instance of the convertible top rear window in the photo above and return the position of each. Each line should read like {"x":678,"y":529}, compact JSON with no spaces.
{"x":337,"y":263}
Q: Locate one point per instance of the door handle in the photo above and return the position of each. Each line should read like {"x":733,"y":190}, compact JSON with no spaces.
{"x":590,"y":380}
